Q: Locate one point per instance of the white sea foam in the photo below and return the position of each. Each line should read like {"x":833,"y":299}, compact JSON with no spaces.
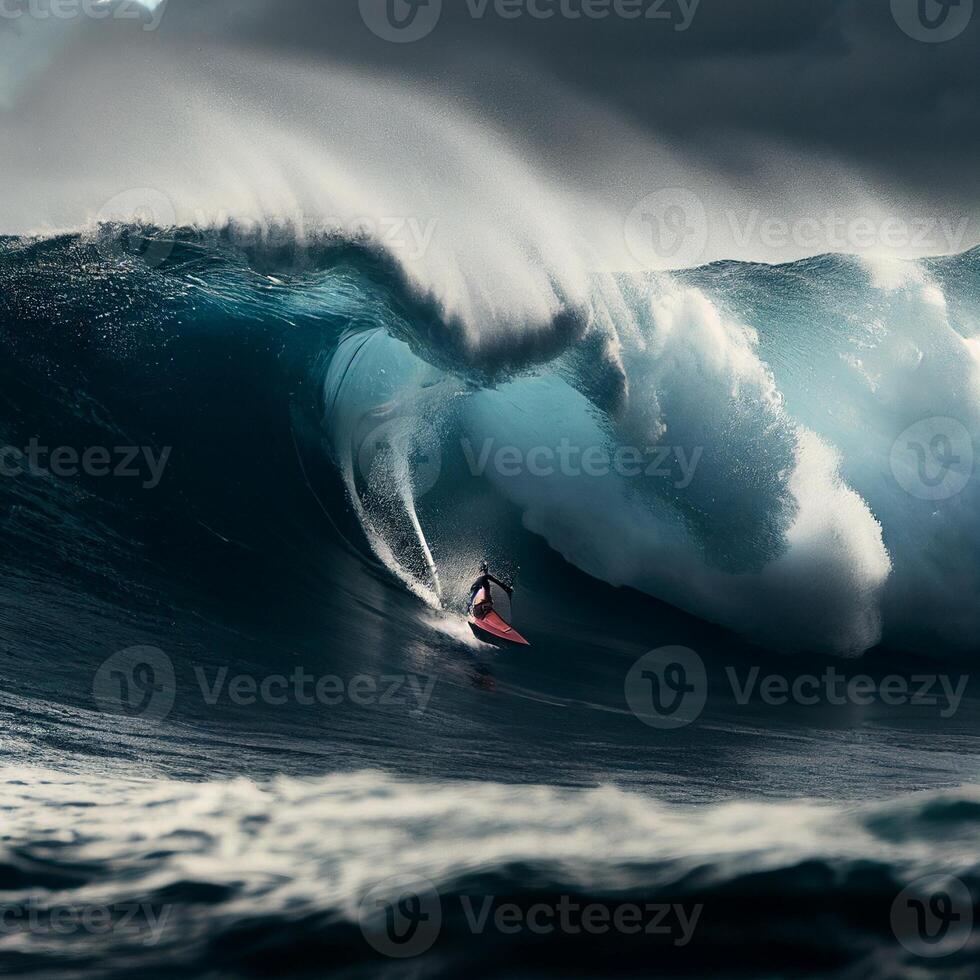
{"x":300,"y":844}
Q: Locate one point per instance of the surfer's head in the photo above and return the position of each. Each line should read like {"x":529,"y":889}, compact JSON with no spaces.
{"x":484,"y":567}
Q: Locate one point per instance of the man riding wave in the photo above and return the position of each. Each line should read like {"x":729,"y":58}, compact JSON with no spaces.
{"x":481,"y":602}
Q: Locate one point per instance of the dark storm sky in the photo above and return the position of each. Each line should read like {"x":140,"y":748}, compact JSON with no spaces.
{"x":806,"y":104}
{"x":827,"y":75}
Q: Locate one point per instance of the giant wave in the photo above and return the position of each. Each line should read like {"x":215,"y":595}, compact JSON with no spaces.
{"x":788,"y":385}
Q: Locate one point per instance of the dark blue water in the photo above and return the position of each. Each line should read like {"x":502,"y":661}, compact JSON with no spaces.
{"x":241,"y":703}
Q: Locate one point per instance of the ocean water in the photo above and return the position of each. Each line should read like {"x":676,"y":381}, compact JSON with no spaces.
{"x":248,"y":732}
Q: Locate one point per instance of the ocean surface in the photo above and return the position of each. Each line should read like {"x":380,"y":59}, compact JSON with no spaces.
{"x":247,"y":730}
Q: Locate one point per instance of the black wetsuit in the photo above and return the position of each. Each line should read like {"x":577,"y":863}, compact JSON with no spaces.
{"x":483,"y":582}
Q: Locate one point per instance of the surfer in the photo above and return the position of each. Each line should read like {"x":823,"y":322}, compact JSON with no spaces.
{"x":485,"y":622}
{"x":483,"y":604}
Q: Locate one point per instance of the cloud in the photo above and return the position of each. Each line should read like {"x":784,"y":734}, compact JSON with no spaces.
{"x":836,"y":76}
{"x":762,"y":97}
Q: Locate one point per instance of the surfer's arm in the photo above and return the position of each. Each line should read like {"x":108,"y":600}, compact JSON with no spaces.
{"x":503,"y":585}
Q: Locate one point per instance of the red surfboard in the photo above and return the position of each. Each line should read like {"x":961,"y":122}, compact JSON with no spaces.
{"x":492,"y":629}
